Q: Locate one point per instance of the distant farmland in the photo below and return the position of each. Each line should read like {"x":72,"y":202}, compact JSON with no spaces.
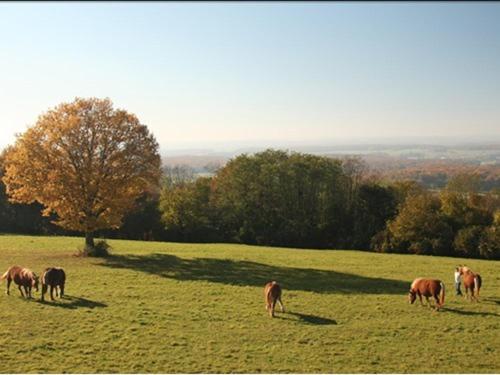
{"x":432,"y":166}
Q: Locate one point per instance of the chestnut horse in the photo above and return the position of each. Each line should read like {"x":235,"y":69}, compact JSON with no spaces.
{"x":53,"y":277}
{"x":472,"y":281}
{"x":23,"y":277}
{"x":272,"y":293}
{"x":427,"y":288}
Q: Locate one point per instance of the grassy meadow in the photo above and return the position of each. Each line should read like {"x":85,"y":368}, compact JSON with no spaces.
{"x":171,"y":307}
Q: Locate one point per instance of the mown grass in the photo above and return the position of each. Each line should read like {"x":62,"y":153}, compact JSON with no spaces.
{"x":168,"y":307}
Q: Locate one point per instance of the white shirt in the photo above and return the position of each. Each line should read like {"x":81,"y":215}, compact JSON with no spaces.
{"x":457,"y":276}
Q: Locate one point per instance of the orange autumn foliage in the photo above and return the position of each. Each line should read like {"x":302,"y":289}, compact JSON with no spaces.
{"x":84,"y":161}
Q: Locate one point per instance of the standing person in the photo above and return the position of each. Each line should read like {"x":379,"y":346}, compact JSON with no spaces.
{"x":457,"y":281}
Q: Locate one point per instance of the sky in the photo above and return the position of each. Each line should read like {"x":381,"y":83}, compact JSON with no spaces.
{"x":222,"y":75}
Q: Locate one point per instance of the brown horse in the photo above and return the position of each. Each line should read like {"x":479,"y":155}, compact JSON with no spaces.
{"x":472,"y":281}
{"x":272,"y":293}
{"x":53,"y":277}
{"x":427,"y":288}
{"x":23,"y":277}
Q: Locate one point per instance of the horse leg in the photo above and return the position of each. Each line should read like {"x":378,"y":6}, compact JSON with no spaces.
{"x":44,"y":290}
{"x":273,"y":305}
{"x":438,"y":305}
{"x":8,"y":286}
{"x":428,"y":302}
{"x":57,"y":295}
{"x":21,"y":290}
{"x":61,"y":292}
{"x":51,"y":292}
{"x":281,"y":305}
{"x":420,"y":298}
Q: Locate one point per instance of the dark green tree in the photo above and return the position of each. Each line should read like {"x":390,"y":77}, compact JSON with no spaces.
{"x":186,"y":211}
{"x":375,"y":205}
{"x":277,"y":198}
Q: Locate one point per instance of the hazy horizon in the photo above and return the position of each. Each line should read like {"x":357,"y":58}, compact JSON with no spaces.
{"x":236,"y":146}
{"x":234,"y":75}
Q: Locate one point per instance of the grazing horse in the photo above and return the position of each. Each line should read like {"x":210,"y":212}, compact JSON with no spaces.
{"x":23,"y":277}
{"x":53,"y":277}
{"x":472,"y":281}
{"x":272,"y":293}
{"x":427,"y":288}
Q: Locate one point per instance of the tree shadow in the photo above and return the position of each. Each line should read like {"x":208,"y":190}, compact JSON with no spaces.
{"x":469,"y":313}
{"x":246,"y":273}
{"x":74,"y":303}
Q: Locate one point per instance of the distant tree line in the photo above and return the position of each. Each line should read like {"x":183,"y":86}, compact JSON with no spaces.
{"x":278,"y":198}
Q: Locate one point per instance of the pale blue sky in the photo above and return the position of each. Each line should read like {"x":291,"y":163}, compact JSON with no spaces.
{"x":204,"y":74}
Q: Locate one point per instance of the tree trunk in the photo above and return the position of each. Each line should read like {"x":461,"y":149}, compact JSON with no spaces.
{"x":89,"y":240}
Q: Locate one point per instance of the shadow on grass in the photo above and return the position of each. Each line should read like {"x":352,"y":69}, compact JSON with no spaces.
{"x":313,"y":319}
{"x":494,"y":301}
{"x":469,"y":313}
{"x":245,"y":273}
{"x":71,"y":302}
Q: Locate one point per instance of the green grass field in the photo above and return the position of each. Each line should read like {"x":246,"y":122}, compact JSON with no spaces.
{"x":168,"y":307}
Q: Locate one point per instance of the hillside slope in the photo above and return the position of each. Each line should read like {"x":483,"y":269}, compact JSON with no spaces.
{"x":165,"y":307}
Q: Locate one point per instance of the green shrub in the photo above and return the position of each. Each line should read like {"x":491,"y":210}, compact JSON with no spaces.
{"x":100,"y":249}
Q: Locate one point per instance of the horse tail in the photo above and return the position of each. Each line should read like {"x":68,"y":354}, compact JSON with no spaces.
{"x":477,"y":284}
{"x":441,"y":297}
{"x":4,"y":276}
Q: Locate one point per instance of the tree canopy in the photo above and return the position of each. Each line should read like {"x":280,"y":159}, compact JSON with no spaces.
{"x":84,"y":161}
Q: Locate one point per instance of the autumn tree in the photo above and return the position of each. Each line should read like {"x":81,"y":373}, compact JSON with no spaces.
{"x":420,"y":227}
{"x":464,"y":183}
{"x":22,"y":218}
{"x":405,"y":189}
{"x":84,"y":161}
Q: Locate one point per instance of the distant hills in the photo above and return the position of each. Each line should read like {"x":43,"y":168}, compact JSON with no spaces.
{"x":430,"y":164}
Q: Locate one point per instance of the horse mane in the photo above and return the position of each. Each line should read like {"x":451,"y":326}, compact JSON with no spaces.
{"x":27,"y":272}
{"x":464,"y":270}
{"x":414,"y":283}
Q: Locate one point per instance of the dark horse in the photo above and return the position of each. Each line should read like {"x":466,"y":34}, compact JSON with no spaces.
{"x":272,"y":294}
{"x":23,"y":277}
{"x":53,"y":277}
{"x":472,"y":281}
{"x":427,"y":288}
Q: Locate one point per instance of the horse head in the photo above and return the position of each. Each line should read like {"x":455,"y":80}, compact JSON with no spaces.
{"x":35,"y":281}
{"x":412,"y":296}
{"x":463,"y":270}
